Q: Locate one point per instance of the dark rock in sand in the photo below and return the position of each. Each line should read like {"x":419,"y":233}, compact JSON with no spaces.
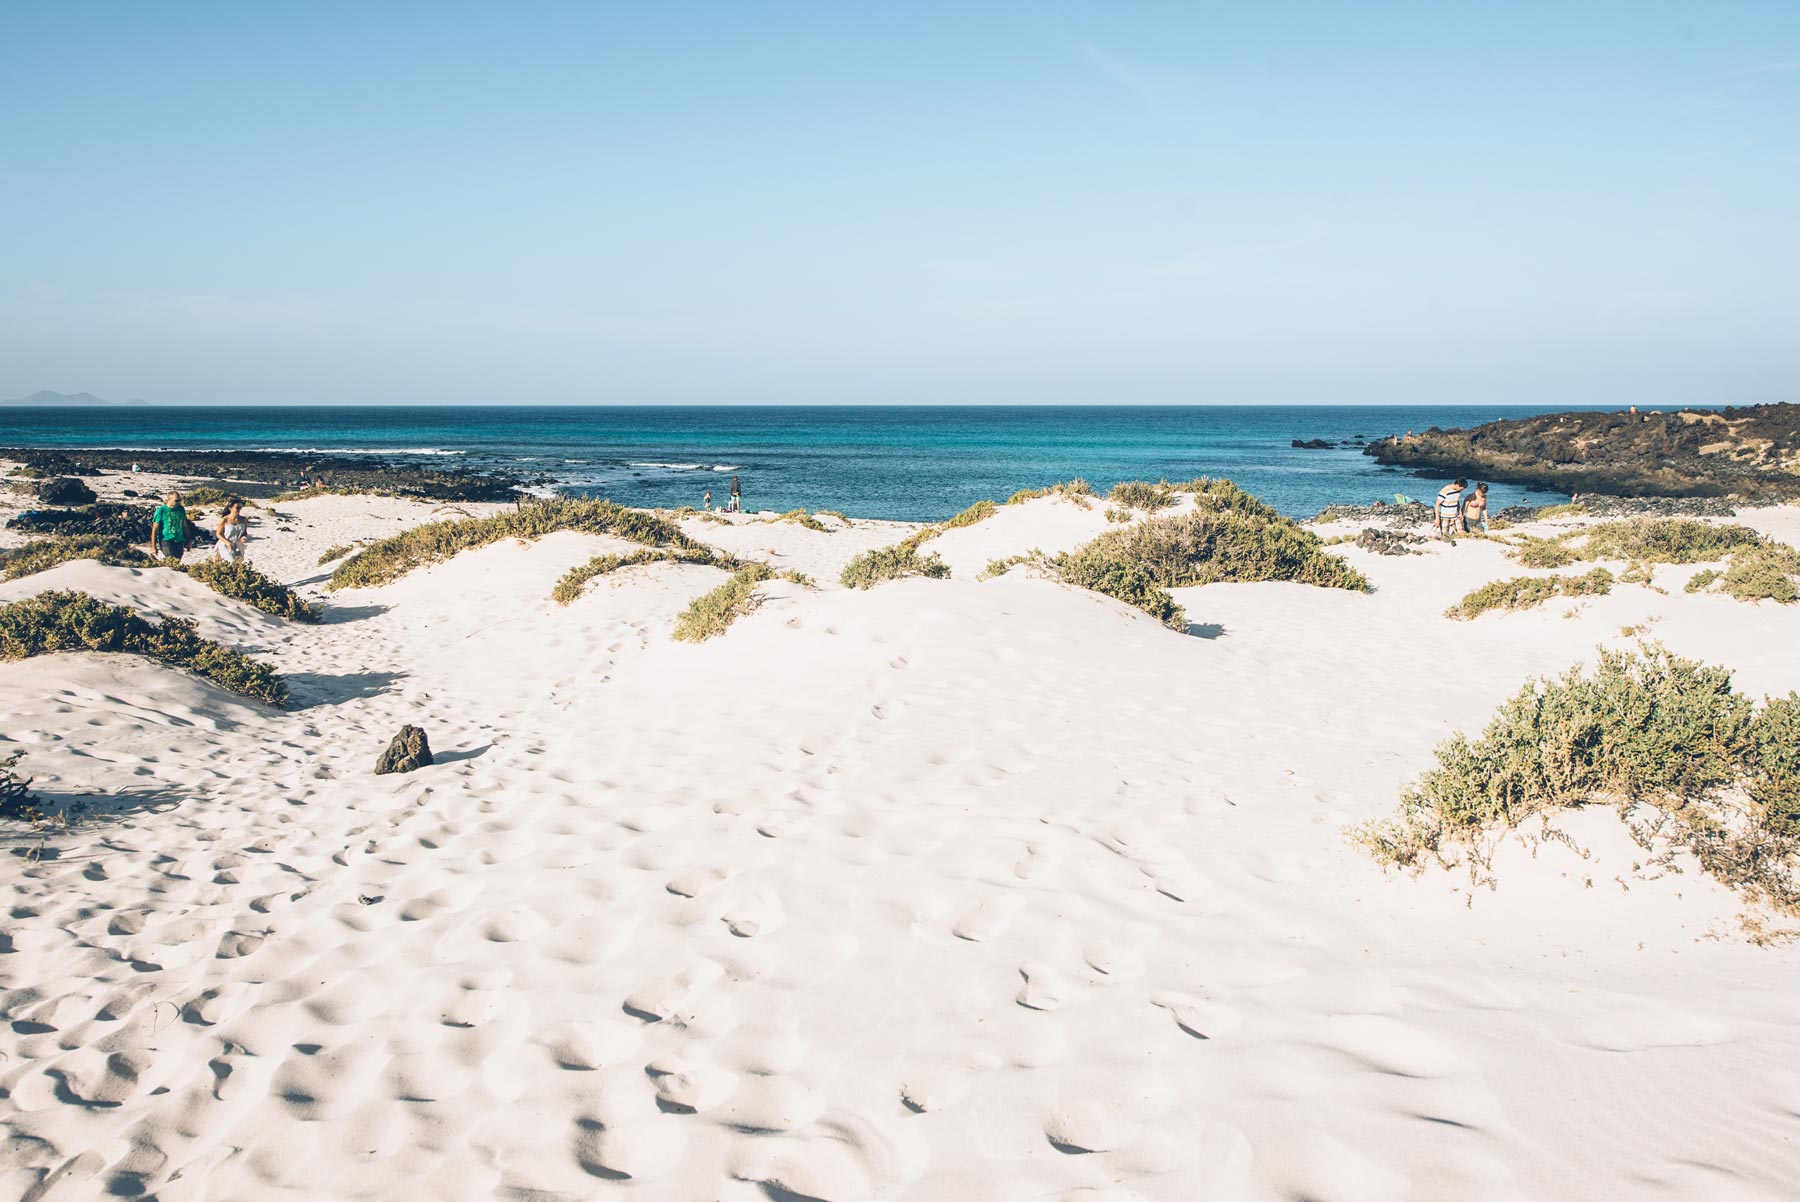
{"x":64,"y":490}
{"x":128,"y":522}
{"x":1412,"y":513}
{"x":1631,"y":507}
{"x":1312,"y":444}
{"x":257,"y":474}
{"x":1387,"y":542}
{"x":408,"y":751}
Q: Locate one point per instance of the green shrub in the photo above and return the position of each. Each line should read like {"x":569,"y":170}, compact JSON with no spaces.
{"x":391,"y":558}
{"x":1132,"y":583}
{"x":17,"y":802}
{"x":1535,"y":552}
{"x":1138,"y":494}
{"x":1076,"y":490}
{"x":45,"y":553}
{"x":891,"y":563}
{"x":713,"y":613}
{"x":832,"y":513}
{"x":1763,"y":573}
{"x":1000,"y":567}
{"x":568,"y":589}
{"x":244,"y":583}
{"x":1775,"y":778}
{"x":206,"y":494}
{"x":978,"y":512}
{"x":1571,"y":509}
{"x":71,"y":621}
{"x":1524,"y":592}
{"x":1665,"y":540}
{"x":1702,"y":579}
{"x":1644,"y":727}
{"x":802,"y":518}
{"x":1117,"y":515}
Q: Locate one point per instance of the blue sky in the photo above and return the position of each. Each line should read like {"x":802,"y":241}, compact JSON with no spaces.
{"x":957,"y":203}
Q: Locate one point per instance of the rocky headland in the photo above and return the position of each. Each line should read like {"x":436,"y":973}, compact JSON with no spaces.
{"x":1750,"y":453}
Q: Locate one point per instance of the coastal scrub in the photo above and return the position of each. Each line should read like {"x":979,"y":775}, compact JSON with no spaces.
{"x":71,"y":621}
{"x":391,"y":558}
{"x":1644,"y":727}
{"x":891,"y":563}
{"x":1526,"y":592}
{"x":40,"y":555}
{"x":711,"y":614}
{"x":569,"y":588}
{"x":241,"y":582}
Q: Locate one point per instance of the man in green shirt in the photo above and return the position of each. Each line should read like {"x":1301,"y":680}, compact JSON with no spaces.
{"x":168,"y":528}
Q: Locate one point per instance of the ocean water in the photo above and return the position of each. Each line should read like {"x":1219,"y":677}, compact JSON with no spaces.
{"x":910,"y":462}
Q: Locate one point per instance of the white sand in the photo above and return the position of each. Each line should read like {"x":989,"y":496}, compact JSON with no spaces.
{"x":947,"y":890}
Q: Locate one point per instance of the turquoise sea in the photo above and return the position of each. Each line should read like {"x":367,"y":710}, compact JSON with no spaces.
{"x":912,"y":462}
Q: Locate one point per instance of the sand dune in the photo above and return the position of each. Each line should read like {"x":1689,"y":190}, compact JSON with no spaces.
{"x":950,"y":889}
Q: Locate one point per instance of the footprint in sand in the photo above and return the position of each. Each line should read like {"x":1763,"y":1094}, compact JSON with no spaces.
{"x":698,"y":881}
{"x":988,"y":919}
{"x":640,"y":1151}
{"x":667,"y":998}
{"x":690,"y":1086}
{"x":1044,"y":988}
{"x":592,"y":1044}
{"x":1200,"y":1017}
{"x":759,"y":914}
{"x":1088,"y":1125}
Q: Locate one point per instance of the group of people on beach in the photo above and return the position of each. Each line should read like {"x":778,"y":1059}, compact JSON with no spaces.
{"x":171,"y":528}
{"x":734,"y":505}
{"x":1457,"y":511}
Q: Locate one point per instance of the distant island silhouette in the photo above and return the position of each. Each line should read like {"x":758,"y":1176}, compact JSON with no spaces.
{"x":47,"y":397}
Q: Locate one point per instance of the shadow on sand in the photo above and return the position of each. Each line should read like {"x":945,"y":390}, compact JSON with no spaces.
{"x":1205,"y":630}
{"x":309,"y":689}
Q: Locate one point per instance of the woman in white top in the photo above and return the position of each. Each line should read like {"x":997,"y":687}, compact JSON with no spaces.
{"x":234,"y":534}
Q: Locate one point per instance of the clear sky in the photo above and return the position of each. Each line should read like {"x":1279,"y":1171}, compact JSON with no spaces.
{"x":960,"y":203}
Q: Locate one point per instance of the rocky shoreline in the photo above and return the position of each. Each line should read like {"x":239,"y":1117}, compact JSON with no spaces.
{"x":257,"y":474}
{"x":1749,"y":454}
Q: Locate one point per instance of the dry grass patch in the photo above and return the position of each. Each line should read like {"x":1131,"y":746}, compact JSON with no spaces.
{"x":1076,"y":490}
{"x":1139,"y":494}
{"x":568,"y":589}
{"x":41,"y":555}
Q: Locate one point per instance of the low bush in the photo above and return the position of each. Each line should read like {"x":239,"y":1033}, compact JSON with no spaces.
{"x":1000,"y":567}
{"x":891,"y":563}
{"x":1645,"y":727}
{"x":206,"y":494}
{"x":1230,"y":537}
{"x":1076,"y":490}
{"x":1139,"y":494}
{"x":1665,"y":540}
{"x":331,"y":553}
{"x":244,"y":583}
{"x":1571,"y":509}
{"x":1700,"y":580}
{"x":1118,"y":516}
{"x":568,"y":589}
{"x":1525,"y":592}
{"x":1763,"y":573}
{"x":832,"y":513}
{"x":800,"y":518}
{"x":1535,"y":552}
{"x":71,"y":621}
{"x":713,"y":613}
{"x":17,"y":802}
{"x":391,"y":558}
{"x":980,"y":511}
{"x":43,"y":554}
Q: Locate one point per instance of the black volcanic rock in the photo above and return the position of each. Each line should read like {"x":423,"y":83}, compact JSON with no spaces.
{"x":409,"y":751}
{"x":1312,"y":444}
{"x":1752,"y":453}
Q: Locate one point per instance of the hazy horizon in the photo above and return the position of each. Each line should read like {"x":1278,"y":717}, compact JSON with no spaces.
{"x":1073,"y":204}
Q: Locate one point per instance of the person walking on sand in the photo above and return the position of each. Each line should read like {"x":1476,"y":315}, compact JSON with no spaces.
{"x":234,"y":534}
{"x":1449,"y":506}
{"x":169,"y":528}
{"x":1475,"y":509}
{"x":737,"y":495}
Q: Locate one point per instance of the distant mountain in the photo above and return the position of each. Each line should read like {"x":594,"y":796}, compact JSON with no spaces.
{"x":46,"y":397}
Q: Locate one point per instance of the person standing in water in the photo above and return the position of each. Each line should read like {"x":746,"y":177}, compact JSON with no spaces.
{"x":737,"y":495}
{"x":168,"y":528}
{"x":234,"y":533}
